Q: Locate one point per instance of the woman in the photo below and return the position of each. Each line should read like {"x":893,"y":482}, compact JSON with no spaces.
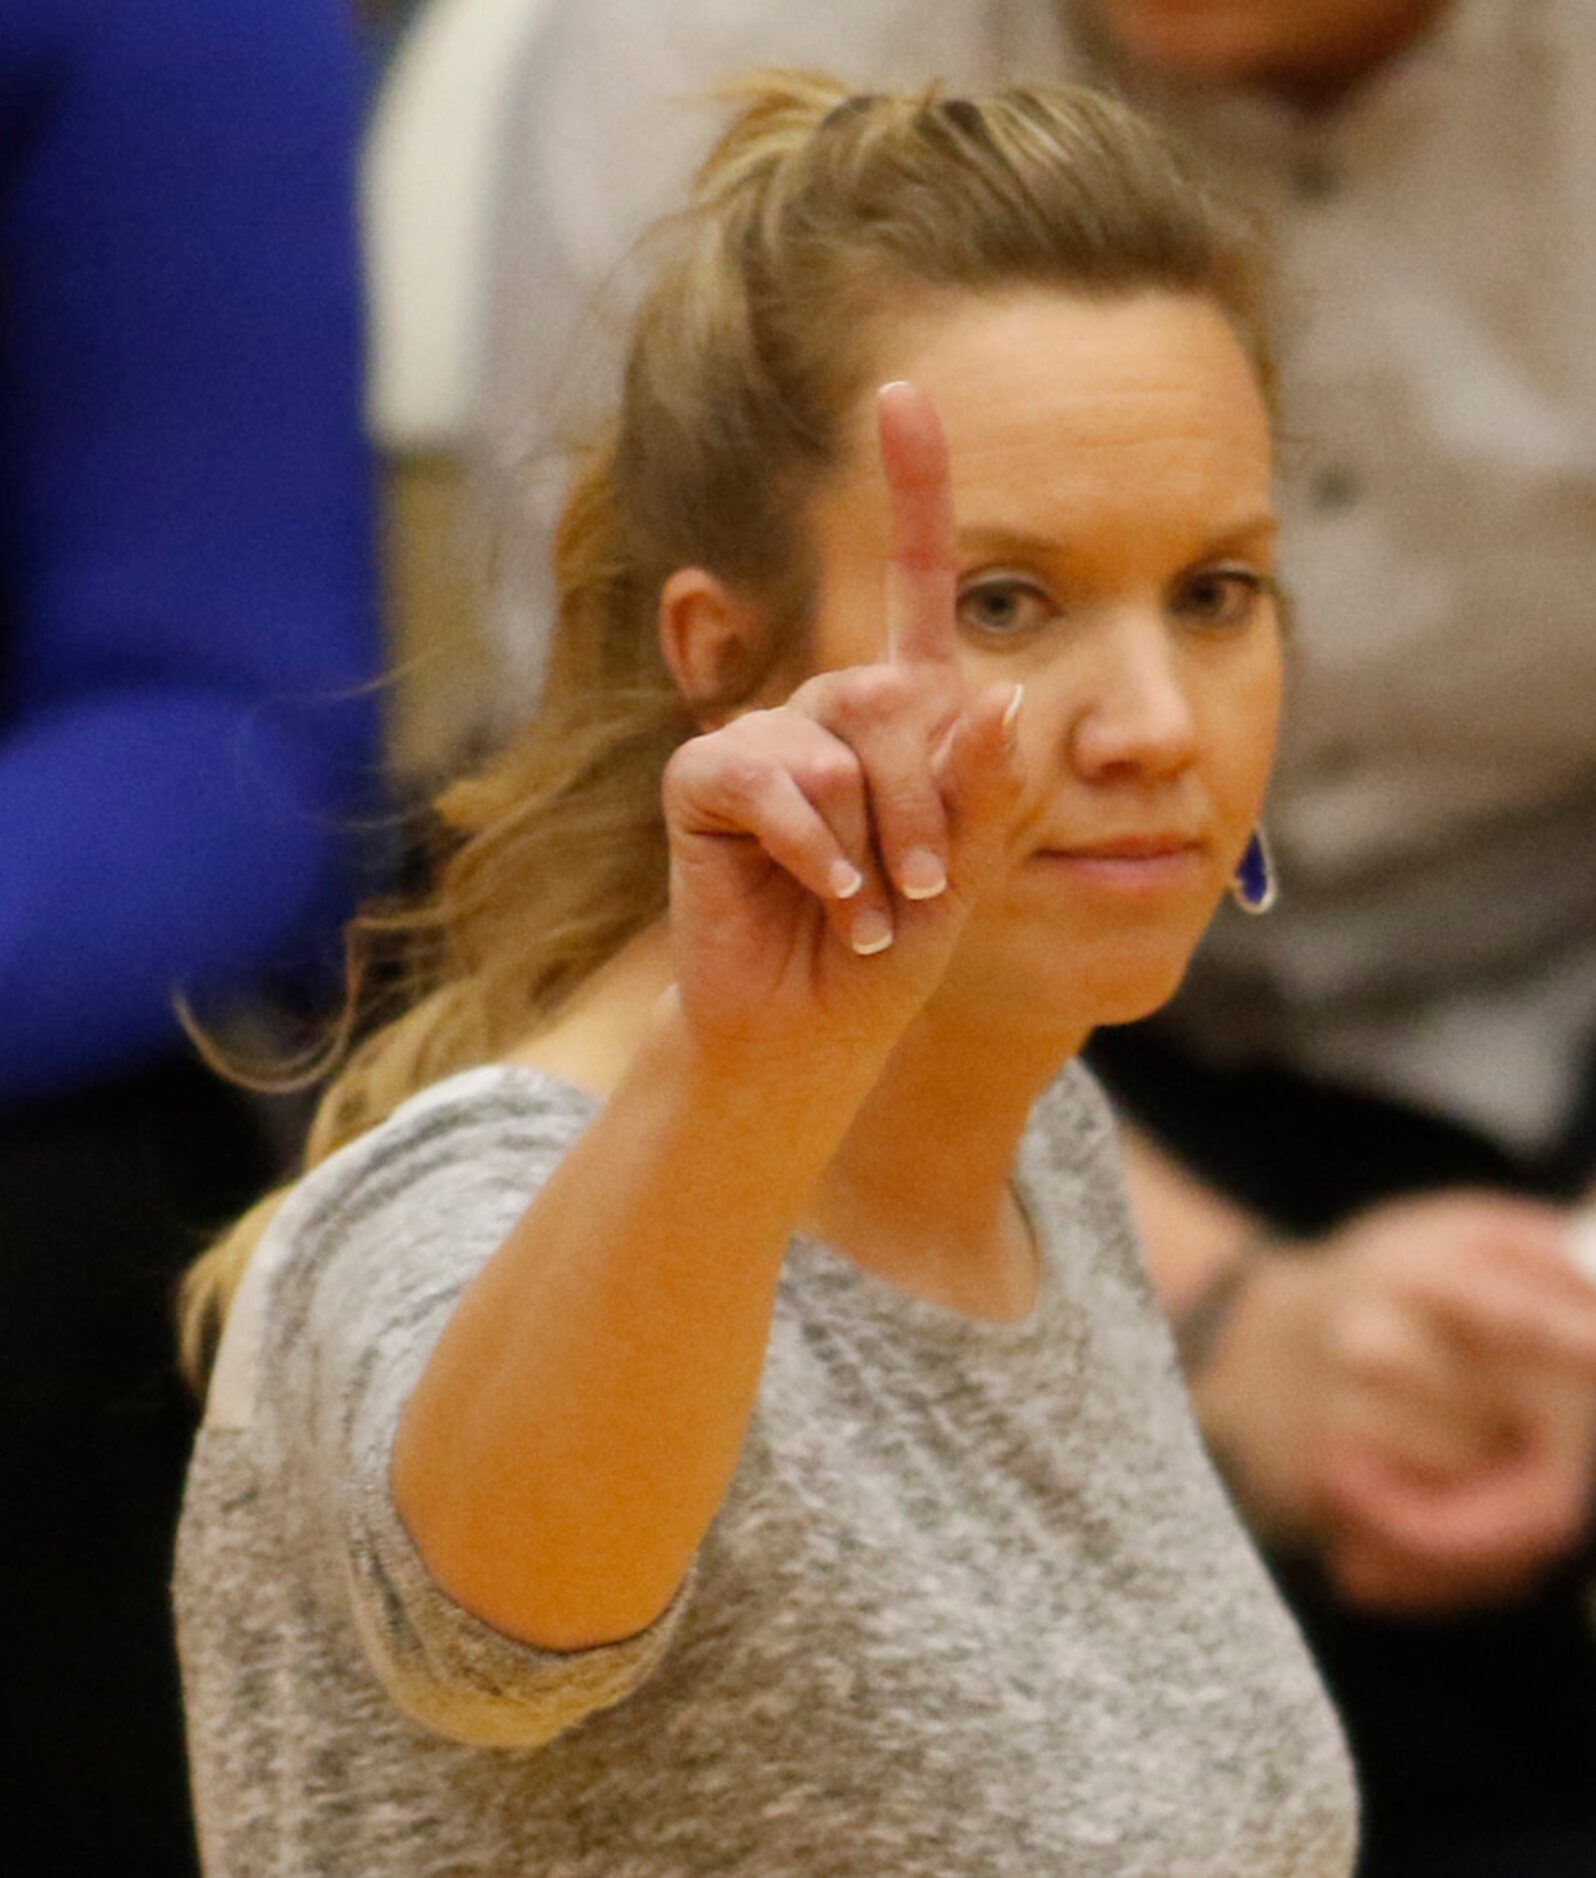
{"x":731,"y":1429}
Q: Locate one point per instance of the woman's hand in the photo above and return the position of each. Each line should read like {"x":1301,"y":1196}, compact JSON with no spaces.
{"x":825,"y":853}
{"x":1406,"y":1541}
{"x":1418,"y":1397}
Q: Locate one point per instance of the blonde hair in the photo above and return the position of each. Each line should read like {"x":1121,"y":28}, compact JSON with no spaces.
{"x":817,"y":216}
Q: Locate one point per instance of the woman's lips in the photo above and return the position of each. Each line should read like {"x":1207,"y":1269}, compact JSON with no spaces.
{"x":1132,"y":864}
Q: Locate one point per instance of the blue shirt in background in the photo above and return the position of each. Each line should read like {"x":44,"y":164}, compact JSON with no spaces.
{"x":188,"y":630}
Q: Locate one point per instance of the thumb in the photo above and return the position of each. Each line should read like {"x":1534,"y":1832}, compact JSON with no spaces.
{"x":980,"y":770}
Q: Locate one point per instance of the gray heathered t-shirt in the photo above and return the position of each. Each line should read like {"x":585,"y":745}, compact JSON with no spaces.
{"x":976,"y":1603}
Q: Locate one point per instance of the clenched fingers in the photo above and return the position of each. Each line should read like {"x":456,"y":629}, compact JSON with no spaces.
{"x":1527,"y":1306}
{"x":892,"y":721}
{"x":789,"y":785}
{"x":1501,"y":1521}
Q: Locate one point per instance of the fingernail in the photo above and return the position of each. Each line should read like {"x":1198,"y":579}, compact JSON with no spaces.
{"x":921,"y":875}
{"x":1011,"y":711}
{"x":872,"y":932}
{"x":846,"y":880}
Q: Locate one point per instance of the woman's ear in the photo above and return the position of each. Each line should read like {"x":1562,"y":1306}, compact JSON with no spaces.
{"x":709,"y":637}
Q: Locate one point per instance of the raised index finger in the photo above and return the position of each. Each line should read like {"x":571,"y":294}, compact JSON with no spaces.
{"x":922,"y":573}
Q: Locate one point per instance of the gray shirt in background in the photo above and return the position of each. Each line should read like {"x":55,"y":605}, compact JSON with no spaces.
{"x":976,"y":1602}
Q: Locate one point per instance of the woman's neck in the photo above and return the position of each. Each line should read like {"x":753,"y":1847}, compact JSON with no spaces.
{"x":592,"y":1040}
{"x":920,"y":1190}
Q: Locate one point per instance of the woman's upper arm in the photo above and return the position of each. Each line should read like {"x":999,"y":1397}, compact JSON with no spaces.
{"x":390,"y":1260}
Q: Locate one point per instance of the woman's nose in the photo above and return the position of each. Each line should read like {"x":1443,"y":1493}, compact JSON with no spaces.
{"x":1133,"y":713}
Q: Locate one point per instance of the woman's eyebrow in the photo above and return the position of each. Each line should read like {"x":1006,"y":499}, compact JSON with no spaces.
{"x":1247,"y":531}
{"x":1009,"y":542}
{"x":1250,"y":531}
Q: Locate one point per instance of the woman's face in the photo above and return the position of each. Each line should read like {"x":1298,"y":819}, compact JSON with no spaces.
{"x":1303,"y":45}
{"x":1112,"y":494}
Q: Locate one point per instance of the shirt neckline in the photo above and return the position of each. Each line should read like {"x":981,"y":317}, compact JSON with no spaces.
{"x":883,"y":1296}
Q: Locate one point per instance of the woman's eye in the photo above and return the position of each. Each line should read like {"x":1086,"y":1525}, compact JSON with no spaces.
{"x":1223,"y":596}
{"x":1004,"y":606}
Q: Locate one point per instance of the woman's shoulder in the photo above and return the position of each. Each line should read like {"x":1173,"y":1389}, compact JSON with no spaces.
{"x":507,"y":1094}
{"x":473,"y":1122}
{"x":437,"y":1183}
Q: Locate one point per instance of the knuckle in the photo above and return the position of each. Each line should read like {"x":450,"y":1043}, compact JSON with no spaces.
{"x":874,"y":695}
{"x":686,"y":764}
{"x":743,"y":775}
{"x":908,"y":794}
{"x":828,"y":775}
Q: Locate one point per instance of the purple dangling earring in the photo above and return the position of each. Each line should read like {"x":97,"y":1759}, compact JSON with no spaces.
{"x":1253,"y":886}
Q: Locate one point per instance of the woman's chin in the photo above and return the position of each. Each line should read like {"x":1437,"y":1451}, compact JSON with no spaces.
{"x":1074,"y":994}
{"x":1134,"y":1003}
{"x":1120,"y":977}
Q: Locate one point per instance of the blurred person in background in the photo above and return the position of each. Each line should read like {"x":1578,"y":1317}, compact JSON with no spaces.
{"x":187,"y":648}
{"x":1359,"y":1131}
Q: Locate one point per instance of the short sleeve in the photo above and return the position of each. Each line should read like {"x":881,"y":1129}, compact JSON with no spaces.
{"x":368,"y":1268}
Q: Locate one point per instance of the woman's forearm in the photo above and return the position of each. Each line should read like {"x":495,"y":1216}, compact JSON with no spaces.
{"x":578,"y":1425}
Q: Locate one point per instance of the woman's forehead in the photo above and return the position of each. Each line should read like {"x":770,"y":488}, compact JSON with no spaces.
{"x":1097,"y":407}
